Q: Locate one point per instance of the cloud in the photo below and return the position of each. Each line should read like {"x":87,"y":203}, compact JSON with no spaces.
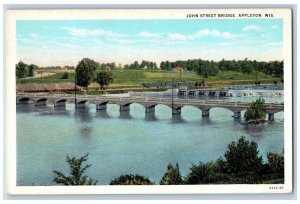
{"x":82,"y":32}
{"x":35,"y":36}
{"x":178,"y":36}
{"x":187,"y":37}
{"x":252,"y":27}
{"x":149,"y":35}
{"x":224,"y":44}
{"x":274,"y":43}
{"x":24,"y":40}
{"x":275,"y":27}
{"x":122,"y":41}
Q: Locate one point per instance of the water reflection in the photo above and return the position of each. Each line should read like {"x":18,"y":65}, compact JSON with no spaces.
{"x":42,"y":109}
{"x":255,"y":127}
{"x":206,"y":121}
{"x":86,"y":132}
{"x":125,"y":115}
{"x":57,"y":111}
{"x":83,"y":114}
{"x":150,"y":116}
{"x":25,"y":108}
{"x":102,"y":114}
{"x":177,"y":119}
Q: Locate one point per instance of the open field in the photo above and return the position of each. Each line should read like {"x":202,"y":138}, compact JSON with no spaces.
{"x":132,"y":79}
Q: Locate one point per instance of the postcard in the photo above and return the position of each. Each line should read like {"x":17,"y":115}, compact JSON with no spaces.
{"x":149,"y":101}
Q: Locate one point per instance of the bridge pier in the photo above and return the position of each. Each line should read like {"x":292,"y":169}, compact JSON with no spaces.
{"x":125,"y":107}
{"x":237,"y":114}
{"x":101,"y":106}
{"x":205,"y":113}
{"x":81,"y":105}
{"x":176,"y":110}
{"x":150,"y":109}
{"x":271,"y":117}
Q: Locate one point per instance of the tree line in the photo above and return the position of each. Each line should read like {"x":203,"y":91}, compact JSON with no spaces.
{"x":143,"y":65}
{"x":24,"y":70}
{"x":85,"y":69}
{"x":241,"y":164}
{"x":208,"y":68}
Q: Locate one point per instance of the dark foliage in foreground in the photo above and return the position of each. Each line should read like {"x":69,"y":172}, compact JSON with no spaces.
{"x":131,"y":180}
{"x":172,"y":176}
{"x":76,"y":176}
{"x":241,"y":164}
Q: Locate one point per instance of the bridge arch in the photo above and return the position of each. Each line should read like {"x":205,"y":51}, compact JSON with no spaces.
{"x":24,"y":100}
{"x":137,"y":110}
{"x":190,"y":112}
{"x":40,"y":101}
{"x":163,"y":111}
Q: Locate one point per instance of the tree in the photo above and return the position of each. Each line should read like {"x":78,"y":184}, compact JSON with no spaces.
{"x":257,"y":111}
{"x":21,"y":70}
{"x":199,"y":174}
{"x":31,"y":69}
{"x":163,"y":65}
{"x":131,"y":180}
{"x":76,"y":176}
{"x":242,"y":160}
{"x":85,"y":71}
{"x":104,"y":79}
{"x":276,"y":163}
{"x":172,"y":176}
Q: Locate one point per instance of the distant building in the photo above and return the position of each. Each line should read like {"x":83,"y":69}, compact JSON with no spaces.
{"x":177,"y":69}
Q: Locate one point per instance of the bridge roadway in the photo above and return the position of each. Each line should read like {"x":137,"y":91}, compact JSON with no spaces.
{"x":149,"y":103}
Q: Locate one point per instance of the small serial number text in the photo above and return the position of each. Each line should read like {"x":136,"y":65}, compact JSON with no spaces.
{"x":276,"y":187}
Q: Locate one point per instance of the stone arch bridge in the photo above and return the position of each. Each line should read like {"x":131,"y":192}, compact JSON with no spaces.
{"x":149,"y":103}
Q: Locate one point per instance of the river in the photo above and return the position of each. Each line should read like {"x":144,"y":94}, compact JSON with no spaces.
{"x":130,"y":142}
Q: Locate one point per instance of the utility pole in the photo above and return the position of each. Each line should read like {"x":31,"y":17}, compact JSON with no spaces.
{"x":172,"y":94}
{"x":75,"y":101}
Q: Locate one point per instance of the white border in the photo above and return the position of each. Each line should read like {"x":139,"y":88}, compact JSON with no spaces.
{"x":14,"y":15}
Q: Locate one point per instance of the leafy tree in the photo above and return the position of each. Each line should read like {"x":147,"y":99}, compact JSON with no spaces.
{"x":199,"y":174}
{"x":65,"y":75}
{"x":85,"y":72}
{"x":76,"y":176}
{"x":276,"y":163}
{"x":104,"y":79}
{"x":131,"y":180}
{"x":31,"y":69}
{"x":243,"y":161}
{"x":163,"y":65}
{"x":211,"y":172}
{"x":172,"y":176}
{"x":257,"y":111}
{"x":21,"y":70}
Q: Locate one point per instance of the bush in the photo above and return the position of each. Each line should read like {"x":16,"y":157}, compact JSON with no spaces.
{"x":65,"y":75}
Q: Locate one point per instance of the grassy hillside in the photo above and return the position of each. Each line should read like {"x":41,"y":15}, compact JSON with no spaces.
{"x":134,"y":78}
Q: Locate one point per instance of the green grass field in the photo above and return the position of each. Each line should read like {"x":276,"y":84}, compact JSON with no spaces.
{"x":134,"y":78}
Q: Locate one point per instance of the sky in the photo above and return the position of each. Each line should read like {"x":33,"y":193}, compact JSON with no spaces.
{"x":66,"y":42}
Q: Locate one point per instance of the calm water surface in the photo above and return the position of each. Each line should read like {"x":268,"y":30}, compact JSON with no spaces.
{"x":129,"y":142}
